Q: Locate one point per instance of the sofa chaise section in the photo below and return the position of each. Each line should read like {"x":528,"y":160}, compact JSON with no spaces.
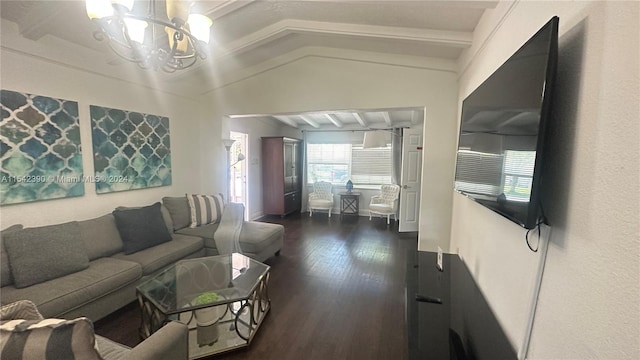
{"x":258,"y":240}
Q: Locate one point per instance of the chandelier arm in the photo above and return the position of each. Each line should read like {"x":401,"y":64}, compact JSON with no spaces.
{"x":114,"y":30}
{"x":181,"y":66}
{"x":102,"y":34}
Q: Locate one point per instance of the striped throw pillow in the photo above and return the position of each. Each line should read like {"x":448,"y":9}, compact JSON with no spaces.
{"x":205,"y":209}
{"x":48,"y":339}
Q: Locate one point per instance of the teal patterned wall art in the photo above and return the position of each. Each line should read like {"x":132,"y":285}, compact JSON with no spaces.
{"x":40,"y":153}
{"x":131,"y":150}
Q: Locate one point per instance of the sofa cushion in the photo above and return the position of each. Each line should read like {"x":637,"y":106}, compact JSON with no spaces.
{"x":179,"y":209}
{"x":256,"y":236}
{"x":159,"y":256}
{"x":204,"y":231}
{"x":141,"y":228}
{"x":5,"y":271}
{"x":205,"y":209}
{"x":48,"y":338}
{"x":56,"y":248}
{"x":61,"y":295}
{"x":100,"y":236}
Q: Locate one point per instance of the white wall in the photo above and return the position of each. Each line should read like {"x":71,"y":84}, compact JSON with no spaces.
{"x":319,"y":83}
{"x":590,"y":294}
{"x":27,"y":74}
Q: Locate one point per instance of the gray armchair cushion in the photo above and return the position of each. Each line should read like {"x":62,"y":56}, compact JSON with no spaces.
{"x":171,"y":342}
{"x":100,"y":236}
{"x":179,"y":209}
{"x":56,"y":248}
{"x":5,"y":271}
{"x":141,"y":228}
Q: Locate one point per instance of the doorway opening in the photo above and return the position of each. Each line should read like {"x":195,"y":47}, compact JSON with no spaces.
{"x":238,"y":171}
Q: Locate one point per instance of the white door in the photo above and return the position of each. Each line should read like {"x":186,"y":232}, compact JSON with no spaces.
{"x":238,"y":170}
{"x":410,"y":180}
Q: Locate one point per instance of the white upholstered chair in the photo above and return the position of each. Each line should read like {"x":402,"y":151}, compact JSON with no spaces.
{"x":321,"y":198}
{"x":386,"y":203}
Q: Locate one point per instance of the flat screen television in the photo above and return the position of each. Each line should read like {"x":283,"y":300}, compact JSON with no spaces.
{"x":502,"y":131}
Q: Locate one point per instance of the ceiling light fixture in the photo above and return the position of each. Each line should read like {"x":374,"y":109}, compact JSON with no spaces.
{"x":136,"y":38}
{"x":375,"y":139}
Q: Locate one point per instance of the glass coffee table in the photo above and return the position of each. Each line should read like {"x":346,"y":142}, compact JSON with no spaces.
{"x":223,"y":300}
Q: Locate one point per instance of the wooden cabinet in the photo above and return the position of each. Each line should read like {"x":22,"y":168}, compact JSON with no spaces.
{"x":281,"y":175}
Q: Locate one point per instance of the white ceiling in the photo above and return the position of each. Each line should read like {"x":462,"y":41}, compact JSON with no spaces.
{"x":246,"y":34}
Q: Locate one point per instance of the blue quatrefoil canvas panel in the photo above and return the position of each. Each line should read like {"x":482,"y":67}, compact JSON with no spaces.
{"x":131,"y":150}
{"x":40,"y":153}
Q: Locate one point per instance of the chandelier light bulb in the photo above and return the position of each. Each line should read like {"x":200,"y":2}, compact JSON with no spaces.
{"x":200,"y":27}
{"x":127,"y":4}
{"x":136,"y":29}
{"x":178,"y":11}
{"x":97,"y":9}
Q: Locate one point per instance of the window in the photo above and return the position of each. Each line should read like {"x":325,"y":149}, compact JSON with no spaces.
{"x":518,"y":174}
{"x":337,"y":163}
{"x":479,"y":173}
{"x":510,"y":174}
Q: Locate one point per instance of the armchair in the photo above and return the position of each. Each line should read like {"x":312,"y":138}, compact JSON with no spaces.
{"x":321,"y":198}
{"x":76,"y":338}
{"x":386,"y":202}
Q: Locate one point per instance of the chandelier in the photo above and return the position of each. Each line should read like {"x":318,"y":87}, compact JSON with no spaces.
{"x":171,"y":40}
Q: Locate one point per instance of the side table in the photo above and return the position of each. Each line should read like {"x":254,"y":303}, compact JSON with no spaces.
{"x":349,"y":203}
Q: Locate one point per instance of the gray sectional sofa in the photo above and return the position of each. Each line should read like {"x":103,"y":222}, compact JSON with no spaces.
{"x":107,"y":281}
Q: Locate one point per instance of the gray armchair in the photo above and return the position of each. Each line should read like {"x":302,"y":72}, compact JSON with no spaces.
{"x":168,"y":343}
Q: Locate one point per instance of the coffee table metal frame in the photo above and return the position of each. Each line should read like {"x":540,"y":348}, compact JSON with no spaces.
{"x":245,"y":313}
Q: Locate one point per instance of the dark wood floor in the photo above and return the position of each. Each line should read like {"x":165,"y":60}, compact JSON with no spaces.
{"x":337,"y":292}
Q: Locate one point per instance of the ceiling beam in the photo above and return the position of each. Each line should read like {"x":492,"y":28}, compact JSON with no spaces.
{"x":334,"y":120}
{"x":309,"y":121}
{"x":387,"y":118}
{"x":34,"y":24}
{"x":287,"y":120}
{"x":360,"y":119}
{"x":214,"y":10}
{"x":457,"y":39}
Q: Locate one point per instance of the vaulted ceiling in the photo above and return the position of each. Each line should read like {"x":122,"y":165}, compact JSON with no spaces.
{"x":257,"y":35}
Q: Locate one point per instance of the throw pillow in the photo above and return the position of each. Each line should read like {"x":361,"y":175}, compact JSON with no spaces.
{"x":100,"y":236}
{"x":205,"y":209}
{"x":57,"y":248}
{"x":5,"y":272}
{"x":178,"y":207}
{"x":141,"y":228}
{"x":48,"y":339}
{"x":21,"y":309}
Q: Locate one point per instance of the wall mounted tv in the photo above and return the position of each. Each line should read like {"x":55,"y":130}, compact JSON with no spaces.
{"x":501,"y":142}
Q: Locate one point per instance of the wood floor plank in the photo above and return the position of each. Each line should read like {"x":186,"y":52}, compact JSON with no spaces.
{"x":337,"y":292}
